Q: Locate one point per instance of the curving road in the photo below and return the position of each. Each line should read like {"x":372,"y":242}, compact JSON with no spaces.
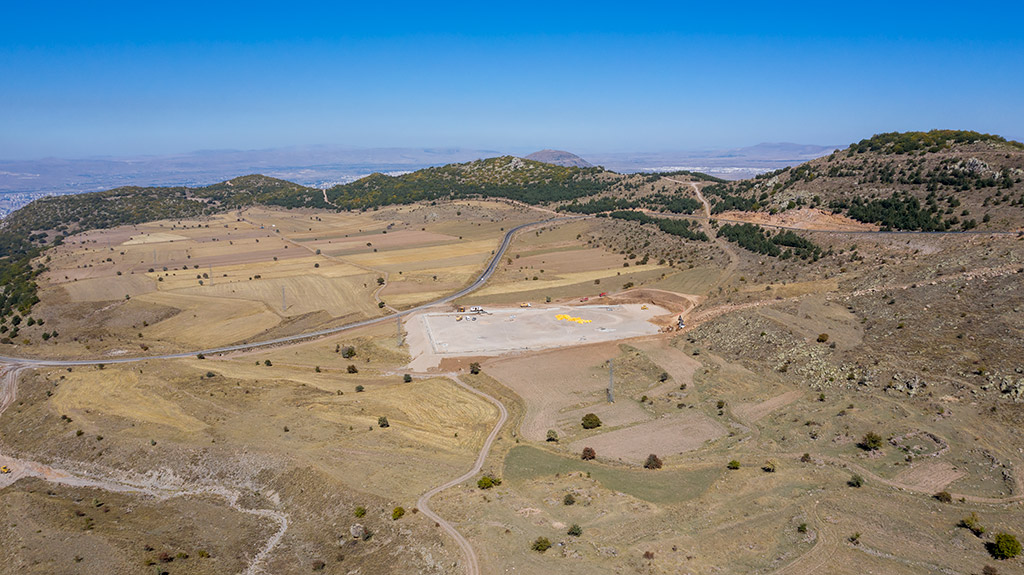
{"x":480,"y":281}
{"x":472,"y":563}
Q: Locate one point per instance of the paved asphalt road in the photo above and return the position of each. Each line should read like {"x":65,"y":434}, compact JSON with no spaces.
{"x":480,"y":281}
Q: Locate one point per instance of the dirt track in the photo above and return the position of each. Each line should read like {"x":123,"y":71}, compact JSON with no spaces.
{"x":472,"y":563}
{"x":158,"y":488}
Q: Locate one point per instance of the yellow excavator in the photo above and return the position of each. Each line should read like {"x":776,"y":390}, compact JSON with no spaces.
{"x":5,"y":469}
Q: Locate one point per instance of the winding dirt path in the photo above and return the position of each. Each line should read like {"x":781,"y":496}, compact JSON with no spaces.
{"x":705,"y":225}
{"x":160,"y":489}
{"x":472,"y":563}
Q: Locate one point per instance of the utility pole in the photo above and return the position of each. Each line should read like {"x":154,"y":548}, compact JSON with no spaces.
{"x":211,"y":274}
{"x":401,"y":340}
{"x":611,"y":382}
{"x":283,"y":307}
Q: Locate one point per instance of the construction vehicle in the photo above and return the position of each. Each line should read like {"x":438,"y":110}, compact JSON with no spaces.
{"x":604,"y":293}
{"x":643,"y":306}
{"x":462,"y":309}
{"x":5,"y":470}
{"x":458,"y":318}
{"x":476,"y":309}
{"x":526,"y":304}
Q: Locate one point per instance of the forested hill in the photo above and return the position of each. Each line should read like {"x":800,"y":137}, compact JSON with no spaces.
{"x":504,"y":177}
{"x":943,"y":180}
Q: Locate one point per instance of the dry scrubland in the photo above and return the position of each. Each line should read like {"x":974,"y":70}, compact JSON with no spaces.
{"x":922,"y":347}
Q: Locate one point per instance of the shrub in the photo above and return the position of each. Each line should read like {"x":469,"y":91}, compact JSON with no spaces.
{"x":663,"y":377}
{"x":588,"y":454}
{"x":487,"y":482}
{"x":348,"y":352}
{"x":653,"y":462}
{"x":802,"y":528}
{"x":972,"y":523}
{"x":943,"y":497}
{"x":359,"y":388}
{"x":383,"y":422}
{"x":397,"y":513}
{"x":591,"y":421}
{"x":855,"y":481}
{"x":822,"y":338}
{"x":568,"y":499}
{"x":407,"y":378}
{"x":734,"y":464}
{"x":267,"y":363}
{"x":575,"y":530}
{"x":989,"y":570}
{"x":552,"y":436}
{"x":319,"y":565}
{"x":805,"y":458}
{"x":360,"y":511}
{"x":871,"y":441}
{"x":648,"y":555}
{"x":474,"y":368}
{"x":210,"y":374}
{"x":1005,"y":546}
{"x":720,"y":404}
{"x":352,"y":368}
{"x":768,"y":467}
{"x":541,"y":544}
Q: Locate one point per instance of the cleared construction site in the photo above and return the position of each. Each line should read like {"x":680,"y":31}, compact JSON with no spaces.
{"x":495,"y":331}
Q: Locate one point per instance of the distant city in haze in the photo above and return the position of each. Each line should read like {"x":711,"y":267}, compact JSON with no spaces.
{"x":22,"y":181}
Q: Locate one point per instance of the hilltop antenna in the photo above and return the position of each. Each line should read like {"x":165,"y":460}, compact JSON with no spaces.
{"x":611,"y":382}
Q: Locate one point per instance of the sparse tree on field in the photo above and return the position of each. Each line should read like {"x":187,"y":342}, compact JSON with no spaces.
{"x":397,"y":513}
{"x":972,"y":523}
{"x":1005,"y":546}
{"x":871,"y":441}
{"x":474,"y":367}
{"x":383,"y":422}
{"x":653,"y":462}
{"x":575,"y":530}
{"x":541,"y":544}
{"x":552,"y":436}
{"x":588,"y":454}
{"x":855,"y":481}
{"x":352,"y":368}
{"x":591,"y":421}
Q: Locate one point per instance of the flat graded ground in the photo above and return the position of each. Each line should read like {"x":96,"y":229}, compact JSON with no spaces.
{"x":668,"y":436}
{"x":558,"y":386}
{"x":503,"y":330}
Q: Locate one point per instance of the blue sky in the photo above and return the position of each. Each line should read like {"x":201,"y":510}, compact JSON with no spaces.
{"x":143,"y":78}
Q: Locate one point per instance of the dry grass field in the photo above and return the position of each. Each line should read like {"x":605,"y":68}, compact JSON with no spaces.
{"x":273,"y":451}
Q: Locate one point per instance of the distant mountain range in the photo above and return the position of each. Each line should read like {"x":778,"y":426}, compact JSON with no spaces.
{"x":324,"y":166}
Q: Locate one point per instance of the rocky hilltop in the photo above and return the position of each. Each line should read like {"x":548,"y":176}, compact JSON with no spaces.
{"x":559,"y":158}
